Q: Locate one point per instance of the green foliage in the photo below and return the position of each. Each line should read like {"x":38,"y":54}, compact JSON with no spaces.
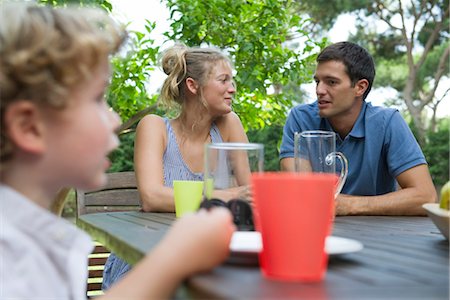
{"x":105,"y":4}
{"x":385,"y":46}
{"x":437,"y":153}
{"x":122,"y":157}
{"x":256,"y":35}
{"x":70,"y":206}
{"x":424,"y":16}
{"x":392,"y":73}
{"x":389,"y":48}
{"x":428,"y":70}
{"x":425,"y":31}
{"x":127,"y":93}
{"x":325,"y":12}
{"x":271,"y":138}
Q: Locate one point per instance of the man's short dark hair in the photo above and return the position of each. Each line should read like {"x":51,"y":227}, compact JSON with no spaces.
{"x":357,"y":60}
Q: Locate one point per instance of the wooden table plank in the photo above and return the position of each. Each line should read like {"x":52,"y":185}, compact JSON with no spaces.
{"x":403,"y":258}
{"x":128,"y":234}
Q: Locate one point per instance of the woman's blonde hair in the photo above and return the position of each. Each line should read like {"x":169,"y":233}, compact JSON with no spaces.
{"x":45,"y":52}
{"x":181,"y":62}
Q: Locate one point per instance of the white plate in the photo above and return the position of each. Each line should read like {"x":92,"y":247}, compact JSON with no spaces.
{"x":250,"y":242}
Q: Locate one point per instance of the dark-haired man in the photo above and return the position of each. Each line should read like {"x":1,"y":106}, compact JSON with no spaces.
{"x":377,"y":142}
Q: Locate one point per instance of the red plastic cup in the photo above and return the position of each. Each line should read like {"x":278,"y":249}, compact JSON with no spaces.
{"x":292,"y":213}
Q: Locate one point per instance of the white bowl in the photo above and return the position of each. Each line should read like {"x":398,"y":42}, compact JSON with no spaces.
{"x":439,"y":216}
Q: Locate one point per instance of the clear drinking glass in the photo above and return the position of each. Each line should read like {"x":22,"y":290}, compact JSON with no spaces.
{"x":315,"y":151}
{"x":228,"y":167}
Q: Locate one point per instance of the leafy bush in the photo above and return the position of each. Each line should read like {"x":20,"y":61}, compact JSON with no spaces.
{"x":270,"y":136}
{"x":122,"y":157}
{"x":436,"y":152}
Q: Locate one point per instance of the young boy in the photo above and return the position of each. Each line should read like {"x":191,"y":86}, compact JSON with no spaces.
{"x":56,"y":131}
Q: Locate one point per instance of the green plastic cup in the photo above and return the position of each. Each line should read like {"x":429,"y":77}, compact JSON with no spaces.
{"x":188,"y":195}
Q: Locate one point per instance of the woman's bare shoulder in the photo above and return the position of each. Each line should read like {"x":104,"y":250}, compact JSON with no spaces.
{"x":151,"y":127}
{"x":229,"y":119}
{"x":151,"y":121}
{"x":231,"y":128}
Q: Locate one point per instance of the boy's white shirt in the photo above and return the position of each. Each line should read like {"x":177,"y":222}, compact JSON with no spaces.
{"x":42,"y":256}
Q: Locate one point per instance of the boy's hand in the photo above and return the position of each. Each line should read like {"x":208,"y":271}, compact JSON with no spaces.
{"x":200,"y":241}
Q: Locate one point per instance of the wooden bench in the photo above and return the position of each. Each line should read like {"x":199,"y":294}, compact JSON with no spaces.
{"x":119,"y":194}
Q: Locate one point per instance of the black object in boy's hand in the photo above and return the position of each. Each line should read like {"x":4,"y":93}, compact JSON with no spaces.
{"x":240,"y":209}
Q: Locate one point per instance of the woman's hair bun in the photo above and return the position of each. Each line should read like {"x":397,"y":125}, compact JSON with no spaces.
{"x":172,"y":57}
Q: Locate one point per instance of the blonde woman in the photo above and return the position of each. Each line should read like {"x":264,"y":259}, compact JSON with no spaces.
{"x":200,"y":83}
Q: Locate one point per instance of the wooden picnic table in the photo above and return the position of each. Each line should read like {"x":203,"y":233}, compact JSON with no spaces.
{"x":402,"y":258}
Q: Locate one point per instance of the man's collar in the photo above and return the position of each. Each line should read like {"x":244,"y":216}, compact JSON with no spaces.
{"x":358,"y":130}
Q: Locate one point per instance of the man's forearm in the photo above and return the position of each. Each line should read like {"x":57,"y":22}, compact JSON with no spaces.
{"x":405,"y":202}
{"x":287,"y":164}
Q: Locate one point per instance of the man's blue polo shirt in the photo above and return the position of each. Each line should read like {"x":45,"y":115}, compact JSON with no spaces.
{"x":379,"y":147}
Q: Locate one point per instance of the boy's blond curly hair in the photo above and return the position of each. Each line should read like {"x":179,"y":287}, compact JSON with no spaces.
{"x":45,"y":52}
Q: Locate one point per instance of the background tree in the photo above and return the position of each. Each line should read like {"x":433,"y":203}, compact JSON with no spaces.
{"x":256,"y":35}
{"x":412,"y":54}
{"x":425,"y":69}
{"x":322,"y":14}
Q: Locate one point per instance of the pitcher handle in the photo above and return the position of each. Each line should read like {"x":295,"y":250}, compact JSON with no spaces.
{"x":344,"y":170}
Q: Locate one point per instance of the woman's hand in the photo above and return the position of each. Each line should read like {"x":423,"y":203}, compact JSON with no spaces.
{"x":243,"y":192}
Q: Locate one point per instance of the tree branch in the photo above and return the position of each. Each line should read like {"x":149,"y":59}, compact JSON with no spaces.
{"x":135,"y":118}
{"x":433,"y":36}
{"x":379,"y":12}
{"x":408,"y":42}
{"x":439,"y":73}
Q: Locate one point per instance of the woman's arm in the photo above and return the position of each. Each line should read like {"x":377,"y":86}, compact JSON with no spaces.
{"x":231,"y":128}
{"x":149,"y":146}
{"x":232,"y":131}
